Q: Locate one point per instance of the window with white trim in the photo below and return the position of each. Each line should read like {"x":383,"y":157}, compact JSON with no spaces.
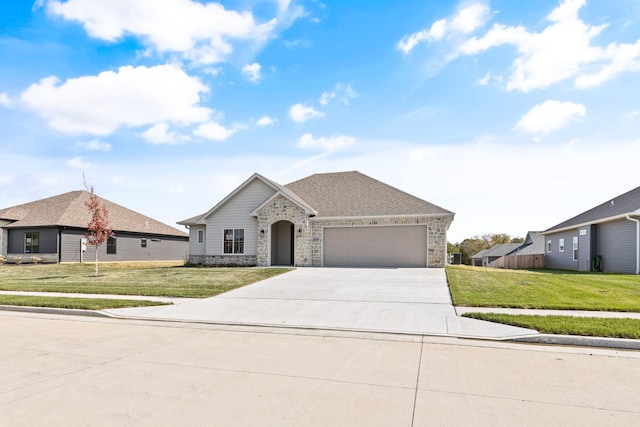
{"x":200,"y":237}
{"x":560,"y":245}
{"x":575,"y":248}
{"x":548,"y":245}
{"x":233,"y":241}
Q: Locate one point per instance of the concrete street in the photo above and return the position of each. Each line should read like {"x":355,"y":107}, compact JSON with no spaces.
{"x":77,"y":371}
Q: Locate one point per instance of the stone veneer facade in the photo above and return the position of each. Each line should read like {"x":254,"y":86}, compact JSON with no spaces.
{"x":309,"y":232}
{"x":283,"y":209}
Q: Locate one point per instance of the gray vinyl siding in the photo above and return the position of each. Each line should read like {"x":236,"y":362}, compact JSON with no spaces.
{"x":196,"y":248}
{"x":128,"y":248}
{"x":617,"y":246}
{"x":557,"y":259}
{"x":48,"y":240}
{"x":235,"y":214}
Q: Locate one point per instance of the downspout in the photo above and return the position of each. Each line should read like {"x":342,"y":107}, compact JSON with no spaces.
{"x":637,"y":241}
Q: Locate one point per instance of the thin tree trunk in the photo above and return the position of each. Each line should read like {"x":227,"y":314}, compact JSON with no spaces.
{"x":96,"y":269}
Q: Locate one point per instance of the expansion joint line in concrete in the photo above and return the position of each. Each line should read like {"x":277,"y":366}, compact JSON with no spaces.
{"x":415,"y":395}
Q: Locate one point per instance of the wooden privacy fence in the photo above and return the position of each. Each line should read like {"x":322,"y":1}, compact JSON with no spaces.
{"x":519,"y":261}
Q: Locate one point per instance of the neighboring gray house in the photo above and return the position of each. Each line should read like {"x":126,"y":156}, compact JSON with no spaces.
{"x":609,"y":232}
{"x":331,"y":219}
{"x":487,"y":256}
{"x":533,"y":245}
{"x":53,"y":229}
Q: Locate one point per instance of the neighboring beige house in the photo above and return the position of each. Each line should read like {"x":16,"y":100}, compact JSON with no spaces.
{"x":331,"y":220}
{"x":53,"y":229}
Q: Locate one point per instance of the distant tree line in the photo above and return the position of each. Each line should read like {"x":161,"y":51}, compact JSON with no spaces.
{"x":475,"y":244}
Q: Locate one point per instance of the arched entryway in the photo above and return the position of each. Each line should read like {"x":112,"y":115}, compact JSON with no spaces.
{"x":282,"y":243}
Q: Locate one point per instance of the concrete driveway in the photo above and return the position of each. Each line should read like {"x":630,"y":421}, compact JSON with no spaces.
{"x":406,"y":300}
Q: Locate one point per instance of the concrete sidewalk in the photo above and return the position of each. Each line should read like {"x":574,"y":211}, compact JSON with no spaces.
{"x":406,"y":301}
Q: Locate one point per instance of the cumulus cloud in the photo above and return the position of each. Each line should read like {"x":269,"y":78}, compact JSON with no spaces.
{"x":342,"y":92}
{"x":549,"y":116}
{"x":129,"y":97}
{"x":300,"y":113}
{"x":159,"y":134}
{"x":214,"y":131}
{"x":266,"y":121}
{"x":5,"y":101}
{"x":327,"y":145}
{"x":78,"y":163}
{"x":94,"y":145}
{"x":467,"y":19}
{"x":563,"y":50}
{"x":252,"y":72}
{"x":202,"y":32}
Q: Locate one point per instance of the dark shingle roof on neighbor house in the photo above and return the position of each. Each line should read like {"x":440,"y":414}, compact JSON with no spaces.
{"x":627,"y":203}
{"x":69,"y":210}
{"x":352,"y":194}
{"x":497,"y":250}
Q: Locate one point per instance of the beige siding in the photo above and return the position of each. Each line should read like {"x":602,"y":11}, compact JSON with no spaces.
{"x":235,"y":214}
{"x":395,"y":246}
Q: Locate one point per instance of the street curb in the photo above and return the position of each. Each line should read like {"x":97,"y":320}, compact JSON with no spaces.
{"x":549,"y":339}
{"x":50,"y":310}
{"x":580,"y":341}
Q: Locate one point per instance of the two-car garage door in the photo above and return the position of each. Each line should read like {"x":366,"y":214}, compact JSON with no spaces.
{"x":395,"y":246}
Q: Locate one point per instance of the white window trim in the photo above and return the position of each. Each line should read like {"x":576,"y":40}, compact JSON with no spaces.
{"x":575,"y":248}
{"x":549,"y":243}
{"x":200,"y":238}
{"x":244,"y":234}
{"x":560,"y":245}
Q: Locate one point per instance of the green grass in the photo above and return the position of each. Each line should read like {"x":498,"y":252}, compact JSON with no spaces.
{"x":565,"y":325}
{"x":150,"y":279}
{"x":75,"y":303}
{"x":543,"y":289}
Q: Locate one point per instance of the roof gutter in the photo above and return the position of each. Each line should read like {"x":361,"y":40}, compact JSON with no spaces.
{"x":637,"y":239}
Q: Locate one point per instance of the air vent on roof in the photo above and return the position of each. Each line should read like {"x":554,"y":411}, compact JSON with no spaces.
{"x":612,"y":203}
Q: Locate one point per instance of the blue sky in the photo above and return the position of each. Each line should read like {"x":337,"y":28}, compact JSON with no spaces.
{"x":514,"y":115}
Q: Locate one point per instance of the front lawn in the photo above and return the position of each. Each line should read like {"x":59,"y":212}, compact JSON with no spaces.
{"x":74,"y":303}
{"x":543,"y":289}
{"x":151,"y":279}
{"x":565,"y":325}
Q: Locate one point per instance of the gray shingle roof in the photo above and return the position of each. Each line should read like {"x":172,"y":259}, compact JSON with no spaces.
{"x":69,"y":210}
{"x":626,"y":203}
{"x":352,"y":194}
{"x":497,"y":250}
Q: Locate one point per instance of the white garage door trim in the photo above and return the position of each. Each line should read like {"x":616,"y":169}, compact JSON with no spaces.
{"x":381,"y":246}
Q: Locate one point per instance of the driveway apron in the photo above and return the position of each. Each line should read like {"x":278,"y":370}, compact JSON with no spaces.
{"x":405,"y":300}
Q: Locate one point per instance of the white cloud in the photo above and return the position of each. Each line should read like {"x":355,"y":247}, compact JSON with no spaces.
{"x":326,"y":97}
{"x":343,"y":92}
{"x":202,"y":32}
{"x":266,"y":121}
{"x":159,"y":134}
{"x":300,"y":113}
{"x":484,"y":81}
{"x":252,"y":72}
{"x":5,"y":101}
{"x":78,"y":163}
{"x":563,"y":50}
{"x":549,"y":116}
{"x":94,"y":145}
{"x":467,"y":19}
{"x":328,"y":145}
{"x":130,"y":97}
{"x":214,"y":131}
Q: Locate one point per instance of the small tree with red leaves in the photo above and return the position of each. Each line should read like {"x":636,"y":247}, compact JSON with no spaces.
{"x":99,"y":226}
